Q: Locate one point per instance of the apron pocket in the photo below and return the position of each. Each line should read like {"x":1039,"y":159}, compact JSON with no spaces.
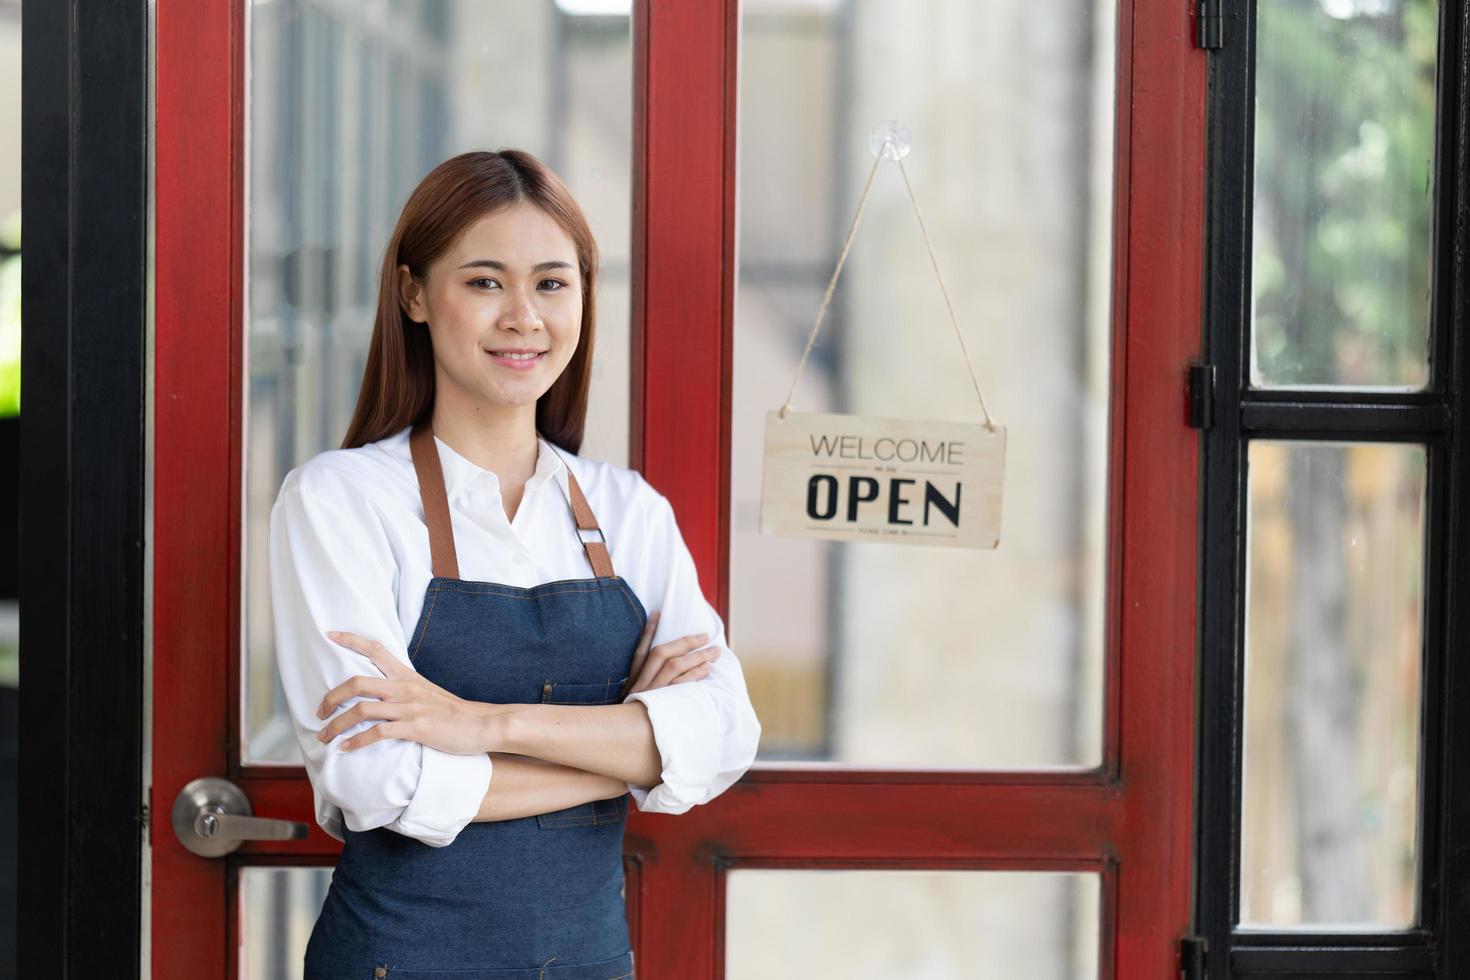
{"x":616,"y":968}
{"x":587,"y":814}
{"x":594,"y":812}
{"x":599,"y":692}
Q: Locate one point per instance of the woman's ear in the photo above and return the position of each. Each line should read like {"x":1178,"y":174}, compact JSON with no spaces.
{"x":410,"y":295}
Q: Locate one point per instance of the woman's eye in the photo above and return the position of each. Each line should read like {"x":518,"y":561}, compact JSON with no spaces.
{"x":556,"y":284}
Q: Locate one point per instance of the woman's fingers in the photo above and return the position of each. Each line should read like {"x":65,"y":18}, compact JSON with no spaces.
{"x":358,"y":713}
{"x":669,"y":660}
{"x":661,"y":653}
{"x":380,"y":655}
{"x":407,"y":704}
{"x":640,"y":653}
{"x":674,"y":666}
{"x":650,"y":627}
{"x":359,"y":686}
{"x":388,"y":729}
{"x":694,"y":673}
{"x":645,"y":640}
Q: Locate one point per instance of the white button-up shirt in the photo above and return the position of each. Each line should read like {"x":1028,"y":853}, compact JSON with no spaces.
{"x":349,"y":550}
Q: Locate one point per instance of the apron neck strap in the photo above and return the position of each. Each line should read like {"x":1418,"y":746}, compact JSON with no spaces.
{"x":597,"y":553}
{"x":436,"y":502}
{"x":442,"y":555}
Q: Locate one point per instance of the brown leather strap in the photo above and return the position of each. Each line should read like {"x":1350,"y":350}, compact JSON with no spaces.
{"x":597,"y":552}
{"x":436,"y":510}
{"x":436,"y":502}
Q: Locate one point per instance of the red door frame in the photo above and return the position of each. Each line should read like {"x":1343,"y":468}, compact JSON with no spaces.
{"x":197,"y":194}
{"x":1130,"y":820}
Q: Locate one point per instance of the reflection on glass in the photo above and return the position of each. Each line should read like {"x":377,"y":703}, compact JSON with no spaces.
{"x":280,"y":907}
{"x":1344,"y":150}
{"x":1332,"y":684}
{"x":350,"y":105}
{"x":898,"y":655}
{"x":980,"y":925}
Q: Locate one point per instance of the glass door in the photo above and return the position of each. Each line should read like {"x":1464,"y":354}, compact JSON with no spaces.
{"x":308,"y":123}
{"x":987,"y":756}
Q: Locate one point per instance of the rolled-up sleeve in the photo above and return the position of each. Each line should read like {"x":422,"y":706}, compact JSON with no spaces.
{"x":331,"y":567}
{"x":706,"y":730}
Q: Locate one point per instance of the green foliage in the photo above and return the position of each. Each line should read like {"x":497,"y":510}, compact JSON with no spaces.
{"x":1343,"y":190}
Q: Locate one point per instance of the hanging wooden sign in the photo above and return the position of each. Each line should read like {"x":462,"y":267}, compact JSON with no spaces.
{"x":856,"y":478}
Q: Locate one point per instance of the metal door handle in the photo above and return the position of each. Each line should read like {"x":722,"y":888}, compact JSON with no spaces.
{"x":212,"y":818}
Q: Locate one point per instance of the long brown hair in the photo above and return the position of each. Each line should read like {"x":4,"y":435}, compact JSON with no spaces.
{"x":398,"y":381}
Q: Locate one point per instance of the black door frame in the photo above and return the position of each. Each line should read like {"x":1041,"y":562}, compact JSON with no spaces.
{"x":84,"y":173}
{"x":1436,"y":948}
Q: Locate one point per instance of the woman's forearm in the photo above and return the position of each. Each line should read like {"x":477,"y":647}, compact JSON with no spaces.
{"x":615,"y":740}
{"x":523,"y":787}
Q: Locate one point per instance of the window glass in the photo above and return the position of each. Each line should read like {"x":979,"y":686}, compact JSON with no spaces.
{"x":1333,"y":636}
{"x":280,"y":907}
{"x":1344,"y":152}
{"x":900,"y":655}
{"x":981,"y":925}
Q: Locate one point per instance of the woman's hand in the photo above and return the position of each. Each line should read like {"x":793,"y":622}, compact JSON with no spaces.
{"x":411,"y":706}
{"x":673,"y":662}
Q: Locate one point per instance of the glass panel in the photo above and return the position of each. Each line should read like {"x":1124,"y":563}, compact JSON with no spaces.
{"x":350,"y":105}
{"x":1343,"y":192}
{"x":986,"y":925}
{"x":280,"y":908}
{"x":1332,"y":685}
{"x":898,"y":655}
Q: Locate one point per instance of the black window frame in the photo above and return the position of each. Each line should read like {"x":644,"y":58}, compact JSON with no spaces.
{"x":82,"y":810}
{"x":1439,"y":945}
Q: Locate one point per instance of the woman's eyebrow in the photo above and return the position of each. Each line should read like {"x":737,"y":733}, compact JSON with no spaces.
{"x":538,"y":267}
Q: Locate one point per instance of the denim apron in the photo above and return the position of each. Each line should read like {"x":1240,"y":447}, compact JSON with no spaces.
{"x":533,"y":898}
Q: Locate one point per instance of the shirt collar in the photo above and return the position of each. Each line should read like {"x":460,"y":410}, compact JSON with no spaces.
{"x":460,"y":474}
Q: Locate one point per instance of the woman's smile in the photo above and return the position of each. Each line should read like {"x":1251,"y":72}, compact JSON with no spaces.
{"x":517,"y":359}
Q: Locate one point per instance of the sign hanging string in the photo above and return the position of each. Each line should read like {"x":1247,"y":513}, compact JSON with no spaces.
{"x":842,"y":258}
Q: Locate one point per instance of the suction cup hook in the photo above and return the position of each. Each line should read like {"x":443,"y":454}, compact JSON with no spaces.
{"x":889,"y":140}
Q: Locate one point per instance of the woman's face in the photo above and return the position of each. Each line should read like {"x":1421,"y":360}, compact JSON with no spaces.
{"x":509,"y":284}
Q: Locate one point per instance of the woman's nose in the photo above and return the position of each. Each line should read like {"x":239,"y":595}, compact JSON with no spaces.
{"x":521,"y":315}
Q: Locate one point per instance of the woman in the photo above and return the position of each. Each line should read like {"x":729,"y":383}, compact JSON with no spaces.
{"x":475,"y":689}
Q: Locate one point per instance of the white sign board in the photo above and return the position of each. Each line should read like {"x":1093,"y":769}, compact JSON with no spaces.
{"x":850,"y":478}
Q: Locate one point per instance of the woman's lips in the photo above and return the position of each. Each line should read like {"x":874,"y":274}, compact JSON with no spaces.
{"x":517,"y":364}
